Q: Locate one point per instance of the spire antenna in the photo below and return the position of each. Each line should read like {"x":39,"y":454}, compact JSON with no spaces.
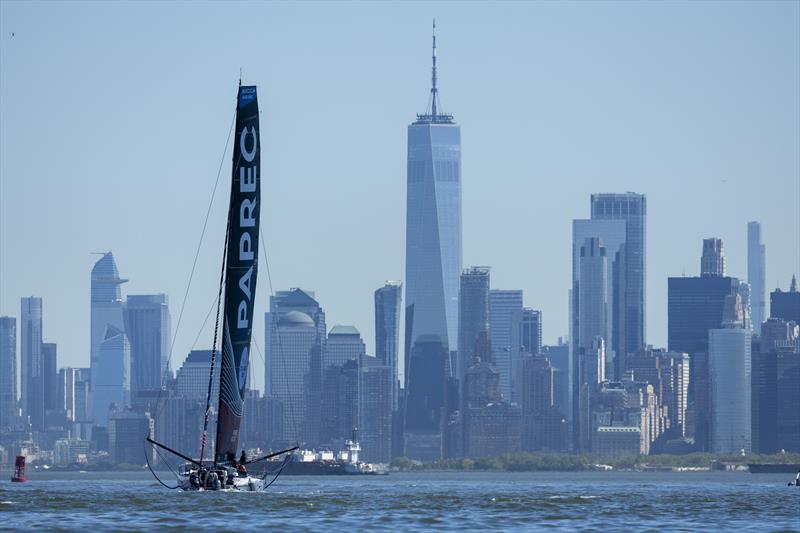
{"x":433,"y":75}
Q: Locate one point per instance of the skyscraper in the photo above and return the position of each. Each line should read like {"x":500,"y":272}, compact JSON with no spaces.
{"x":531,"y":331}
{"x":387,"y":332}
{"x":106,"y":307}
{"x":712,"y":262}
{"x":632,"y":208}
{"x":295,"y":335}
{"x":505,"y":327}
{"x":433,"y":246}
{"x":111,"y":376}
{"x":729,"y":364}
{"x":344,"y":344}
{"x":375,"y":410}
{"x":473,"y":320}
{"x":50,"y":376}
{"x":147,"y":325}
{"x":756,"y":275}
{"x":8,"y":371}
{"x":695,"y":306}
{"x":31,"y":360}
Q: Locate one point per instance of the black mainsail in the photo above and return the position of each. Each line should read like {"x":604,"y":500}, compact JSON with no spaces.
{"x":241,"y":268}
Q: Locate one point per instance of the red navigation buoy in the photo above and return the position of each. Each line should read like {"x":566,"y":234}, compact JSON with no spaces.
{"x":19,"y":470}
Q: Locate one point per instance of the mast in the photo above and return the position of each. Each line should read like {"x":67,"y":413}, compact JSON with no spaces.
{"x":434,"y":90}
{"x":240,"y":274}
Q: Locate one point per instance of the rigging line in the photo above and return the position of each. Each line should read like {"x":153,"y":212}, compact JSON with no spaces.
{"x":210,"y":310}
{"x":214,"y":344}
{"x":159,"y":406}
{"x":149,"y":466}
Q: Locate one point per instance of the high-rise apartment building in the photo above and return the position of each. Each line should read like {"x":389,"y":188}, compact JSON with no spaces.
{"x":756,"y":275}
{"x":473,"y":320}
{"x":433,"y":257}
{"x":32,"y":386}
{"x":147,"y":325}
{"x":632,"y":208}
{"x":8,"y":371}
{"x":387,"y":332}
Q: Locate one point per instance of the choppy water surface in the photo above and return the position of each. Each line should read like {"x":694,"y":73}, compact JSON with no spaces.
{"x":420,"y":501}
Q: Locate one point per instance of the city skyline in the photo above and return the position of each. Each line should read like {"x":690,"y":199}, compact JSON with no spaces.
{"x":498,"y":236}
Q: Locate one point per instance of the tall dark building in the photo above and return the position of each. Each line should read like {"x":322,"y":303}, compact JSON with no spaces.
{"x":50,"y":376}
{"x":695,"y":306}
{"x":712,"y":262}
{"x":433,"y":264}
{"x":375,"y":410}
{"x":473,"y":320}
{"x":786,"y":305}
{"x":531,"y":330}
{"x":387,"y":332}
{"x":632,"y":208}
{"x":544,"y":427}
{"x":8,"y":371}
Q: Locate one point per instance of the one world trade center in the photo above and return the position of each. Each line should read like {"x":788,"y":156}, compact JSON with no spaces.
{"x":433,"y":266}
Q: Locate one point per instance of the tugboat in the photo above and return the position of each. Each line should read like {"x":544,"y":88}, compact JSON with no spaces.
{"x":19,"y":470}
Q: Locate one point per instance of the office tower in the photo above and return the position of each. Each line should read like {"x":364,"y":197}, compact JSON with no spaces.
{"x":8,"y":371}
{"x":729,"y":365}
{"x":592,"y":292}
{"x":712,"y":262}
{"x":668,"y":373}
{"x":612,"y":235}
{"x":191,"y":379}
{"x":531,"y":331}
{"x":111,"y":375}
{"x":505,"y":327}
{"x":339,"y":409}
{"x":786,"y":305}
{"x":756,"y":275}
{"x":632,"y":208}
{"x":344,"y":344}
{"x":695,"y":306}
{"x":774,"y":387}
{"x":106,"y":308}
{"x":433,"y":260}
{"x":147,"y":325}
{"x":387,"y":332}
{"x":126,"y":431}
{"x":50,"y":376}
{"x":32,"y":397}
{"x":375,"y":410}
{"x":473,"y":320}
{"x":295,"y":335}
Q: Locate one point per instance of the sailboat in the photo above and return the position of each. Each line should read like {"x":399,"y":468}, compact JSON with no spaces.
{"x":224,"y":471}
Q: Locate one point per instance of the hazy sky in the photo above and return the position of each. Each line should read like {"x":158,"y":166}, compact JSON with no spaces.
{"x":114,"y":118}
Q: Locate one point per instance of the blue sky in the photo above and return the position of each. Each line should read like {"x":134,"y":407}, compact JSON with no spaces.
{"x":113,"y":119}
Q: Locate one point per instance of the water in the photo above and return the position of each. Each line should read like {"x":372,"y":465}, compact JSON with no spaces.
{"x":723,"y":501}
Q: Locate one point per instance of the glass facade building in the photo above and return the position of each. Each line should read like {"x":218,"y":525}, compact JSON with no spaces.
{"x":387,"y":332}
{"x":433,"y":265}
{"x":632,"y":208}
{"x":106,"y":306}
{"x":30,"y":344}
{"x":147,"y":325}
{"x":505,"y":327}
{"x":730,"y":373}
{"x":473,"y":320}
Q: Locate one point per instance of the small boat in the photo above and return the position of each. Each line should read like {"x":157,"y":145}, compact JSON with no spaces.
{"x":223,"y":472}
{"x":19,"y":470}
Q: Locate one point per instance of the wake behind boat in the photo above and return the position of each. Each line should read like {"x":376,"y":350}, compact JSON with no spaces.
{"x":238,"y":279}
